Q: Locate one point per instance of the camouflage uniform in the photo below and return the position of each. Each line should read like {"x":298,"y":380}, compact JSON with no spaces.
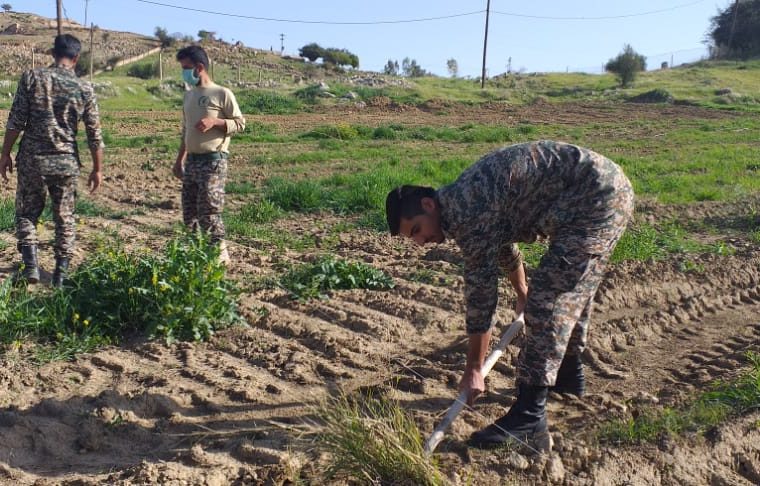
{"x":578,"y":199}
{"x":48,"y":105}
{"x":203,"y":196}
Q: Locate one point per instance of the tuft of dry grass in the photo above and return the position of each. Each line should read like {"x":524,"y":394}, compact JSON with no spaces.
{"x":374,"y":441}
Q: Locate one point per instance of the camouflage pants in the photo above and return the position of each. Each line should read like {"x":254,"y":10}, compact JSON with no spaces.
{"x":203,"y":197}
{"x":562,"y":289}
{"x":30,"y":202}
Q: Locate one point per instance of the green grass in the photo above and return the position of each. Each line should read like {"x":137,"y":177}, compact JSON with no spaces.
{"x":244,"y":188}
{"x":646,"y":242}
{"x":318,"y":279}
{"x":179,"y":294}
{"x":725,"y":400}
{"x":7,"y":214}
{"x":373,"y":441}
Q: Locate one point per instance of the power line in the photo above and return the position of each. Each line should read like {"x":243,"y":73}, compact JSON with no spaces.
{"x":608,"y":17}
{"x":325,"y":22}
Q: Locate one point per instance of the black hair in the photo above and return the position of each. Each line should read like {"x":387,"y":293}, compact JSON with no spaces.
{"x":66,"y":46}
{"x":196,"y":54}
{"x":405,"y":202}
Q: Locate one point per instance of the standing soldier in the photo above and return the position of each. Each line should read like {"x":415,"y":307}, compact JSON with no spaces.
{"x":210,"y":115}
{"x":48,"y":106}
{"x":578,"y":199}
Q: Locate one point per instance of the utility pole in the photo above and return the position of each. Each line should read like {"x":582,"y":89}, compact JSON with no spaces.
{"x":59,"y":15}
{"x":92,"y":51}
{"x":33,"y":57}
{"x":161,"y":65}
{"x":282,"y":44}
{"x":86,"y":4}
{"x":485,"y":46}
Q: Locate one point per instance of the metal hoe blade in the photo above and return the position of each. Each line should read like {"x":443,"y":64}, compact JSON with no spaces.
{"x":461,"y":401}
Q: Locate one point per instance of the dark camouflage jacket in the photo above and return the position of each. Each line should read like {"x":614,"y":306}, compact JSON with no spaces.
{"x":48,"y":106}
{"x":517,"y":194}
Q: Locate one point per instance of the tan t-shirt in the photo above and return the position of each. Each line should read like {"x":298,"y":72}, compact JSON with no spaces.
{"x":211,"y":101}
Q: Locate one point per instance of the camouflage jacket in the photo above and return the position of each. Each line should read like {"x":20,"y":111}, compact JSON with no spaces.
{"x":48,"y":106}
{"x":517,"y":194}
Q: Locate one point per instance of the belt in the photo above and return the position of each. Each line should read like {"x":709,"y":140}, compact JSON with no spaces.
{"x":209,"y":157}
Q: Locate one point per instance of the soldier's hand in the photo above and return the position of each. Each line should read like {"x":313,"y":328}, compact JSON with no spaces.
{"x":6,"y":164}
{"x":205,"y":124}
{"x":94,"y":181}
{"x":178,"y":170}
{"x":474,"y":383}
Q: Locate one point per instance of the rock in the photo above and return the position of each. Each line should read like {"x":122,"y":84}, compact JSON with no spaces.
{"x":13,"y":29}
{"x":555,"y":470}
{"x":724,"y":91}
{"x":518,"y":461}
{"x":350,"y":96}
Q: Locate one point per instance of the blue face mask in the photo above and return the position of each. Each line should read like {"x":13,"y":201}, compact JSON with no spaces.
{"x":189,"y":76}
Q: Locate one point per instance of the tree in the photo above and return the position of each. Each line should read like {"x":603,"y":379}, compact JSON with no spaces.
{"x":626,"y":65}
{"x":164,"y":38}
{"x":7,"y":7}
{"x":312,"y":51}
{"x":411,"y":69}
{"x":206,"y":35}
{"x":453,"y":67}
{"x":735,"y":31}
{"x":340,"y":57}
{"x":391,"y":68}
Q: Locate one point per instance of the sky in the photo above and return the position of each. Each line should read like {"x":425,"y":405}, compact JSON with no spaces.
{"x":570,"y":41}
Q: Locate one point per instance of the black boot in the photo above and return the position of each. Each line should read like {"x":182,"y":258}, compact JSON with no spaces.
{"x":61,"y":271}
{"x":525,"y":422}
{"x":30,"y":271}
{"x":570,"y":377}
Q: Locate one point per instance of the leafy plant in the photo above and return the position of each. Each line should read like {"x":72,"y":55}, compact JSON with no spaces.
{"x":315,"y":280}
{"x":180,"y":294}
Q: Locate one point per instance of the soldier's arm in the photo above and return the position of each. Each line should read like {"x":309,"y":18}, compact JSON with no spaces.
{"x":17,"y":120}
{"x":19,"y":114}
{"x":91,"y":119}
{"x":481,"y":295}
{"x":6,"y":161}
{"x":234,"y":121}
{"x":511,"y":261}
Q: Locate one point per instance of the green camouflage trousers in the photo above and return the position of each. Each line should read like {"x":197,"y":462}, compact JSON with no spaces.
{"x":562,"y":289}
{"x":203,"y":197}
{"x":30,"y":202}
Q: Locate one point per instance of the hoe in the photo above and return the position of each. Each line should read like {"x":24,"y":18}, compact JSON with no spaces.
{"x":437,"y":436}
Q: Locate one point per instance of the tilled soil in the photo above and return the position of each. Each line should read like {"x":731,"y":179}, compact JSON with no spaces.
{"x":238,"y":410}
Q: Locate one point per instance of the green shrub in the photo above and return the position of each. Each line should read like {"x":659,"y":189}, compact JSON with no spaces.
{"x":267,"y":102}
{"x":180,"y":294}
{"x":144,"y":70}
{"x":658,"y":95}
{"x":315,"y":280}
